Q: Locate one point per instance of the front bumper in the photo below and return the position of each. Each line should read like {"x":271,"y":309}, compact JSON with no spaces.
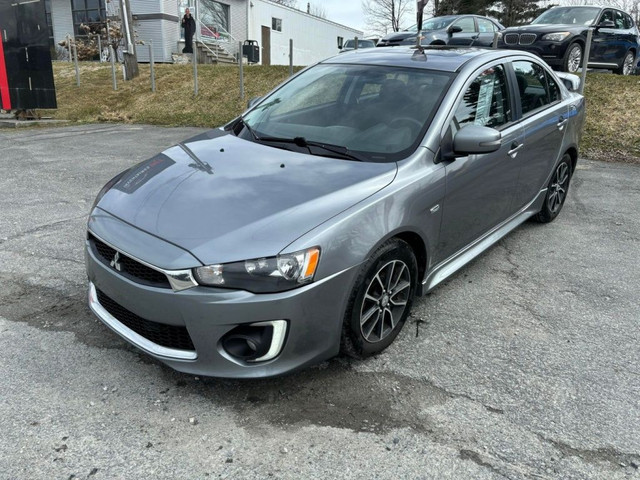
{"x":313,"y":316}
{"x":550,"y":52}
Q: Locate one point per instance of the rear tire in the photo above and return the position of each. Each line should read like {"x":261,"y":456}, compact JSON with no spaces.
{"x":380,"y":300}
{"x":556,"y":191}
{"x":626,"y":68}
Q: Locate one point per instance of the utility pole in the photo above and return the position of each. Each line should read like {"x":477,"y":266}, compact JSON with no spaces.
{"x":130,"y":57}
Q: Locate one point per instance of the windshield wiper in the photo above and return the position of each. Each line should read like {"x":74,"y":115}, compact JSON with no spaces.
{"x":336,"y":150}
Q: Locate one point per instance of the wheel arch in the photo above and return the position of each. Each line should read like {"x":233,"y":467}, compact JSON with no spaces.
{"x":573,"y":153}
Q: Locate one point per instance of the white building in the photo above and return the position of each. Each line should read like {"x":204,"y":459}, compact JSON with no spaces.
{"x":224,"y":22}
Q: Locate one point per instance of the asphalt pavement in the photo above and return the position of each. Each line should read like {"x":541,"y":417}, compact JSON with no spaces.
{"x":524,"y":365}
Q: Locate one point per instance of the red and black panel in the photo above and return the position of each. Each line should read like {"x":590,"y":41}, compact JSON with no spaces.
{"x":26,"y":74}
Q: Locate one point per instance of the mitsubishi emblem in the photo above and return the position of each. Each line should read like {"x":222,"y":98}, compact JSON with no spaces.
{"x":115,"y":263}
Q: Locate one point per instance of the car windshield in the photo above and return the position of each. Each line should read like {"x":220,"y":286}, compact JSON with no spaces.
{"x":568,"y":16}
{"x":378,"y":113}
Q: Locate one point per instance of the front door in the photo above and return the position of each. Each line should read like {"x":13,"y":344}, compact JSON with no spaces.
{"x":468,"y":33}
{"x":266,"y":45}
{"x":480,"y":188}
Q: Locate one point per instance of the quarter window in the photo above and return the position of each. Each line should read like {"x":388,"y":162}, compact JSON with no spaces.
{"x":486,"y":101}
{"x":534,"y":90}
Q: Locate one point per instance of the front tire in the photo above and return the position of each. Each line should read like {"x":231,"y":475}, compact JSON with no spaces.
{"x":573,"y":58}
{"x":556,"y":191}
{"x":380,"y":300}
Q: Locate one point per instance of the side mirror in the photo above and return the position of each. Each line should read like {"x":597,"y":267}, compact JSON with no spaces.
{"x":253,"y":101}
{"x":606,"y":24}
{"x":474,"y":139}
{"x":454,"y":29}
{"x":571,"y":81}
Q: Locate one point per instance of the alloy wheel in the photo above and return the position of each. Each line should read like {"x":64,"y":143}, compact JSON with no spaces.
{"x":558,"y":188}
{"x":385,"y":301}
{"x":627,"y":66}
{"x":575,"y":58}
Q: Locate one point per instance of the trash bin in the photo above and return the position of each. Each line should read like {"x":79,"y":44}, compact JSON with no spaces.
{"x":251,"y":50}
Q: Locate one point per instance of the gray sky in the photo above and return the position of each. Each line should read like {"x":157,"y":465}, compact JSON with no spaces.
{"x":346,"y":12}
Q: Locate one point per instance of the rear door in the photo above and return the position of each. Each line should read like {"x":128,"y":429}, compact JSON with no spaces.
{"x":486,"y":29}
{"x":544,"y":115}
{"x":480,"y":188}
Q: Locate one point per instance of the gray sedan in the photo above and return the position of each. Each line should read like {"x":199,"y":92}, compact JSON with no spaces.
{"x":306,"y":227}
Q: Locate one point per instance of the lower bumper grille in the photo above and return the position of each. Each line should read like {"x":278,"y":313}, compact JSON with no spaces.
{"x":170,"y":336}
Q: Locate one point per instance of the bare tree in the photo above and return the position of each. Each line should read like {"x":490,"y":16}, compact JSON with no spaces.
{"x":386,"y":15}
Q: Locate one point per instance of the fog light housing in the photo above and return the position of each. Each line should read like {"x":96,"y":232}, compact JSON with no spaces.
{"x":256,"y":342}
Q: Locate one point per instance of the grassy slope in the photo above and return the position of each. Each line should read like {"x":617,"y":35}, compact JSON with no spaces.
{"x":612,"y":131}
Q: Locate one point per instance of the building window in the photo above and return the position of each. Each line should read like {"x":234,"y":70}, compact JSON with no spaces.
{"x":214,"y":17}
{"x":87,"y":12}
{"x":276,"y":24}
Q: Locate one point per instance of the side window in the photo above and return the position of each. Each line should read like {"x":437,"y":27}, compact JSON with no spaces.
{"x":485,"y":25}
{"x":532,"y":85}
{"x":607,"y":16}
{"x":554,"y":90}
{"x":486,"y":101}
{"x":619,"y":20}
{"x":466,"y":24}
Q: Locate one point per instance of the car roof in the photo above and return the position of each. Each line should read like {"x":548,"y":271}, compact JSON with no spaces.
{"x":446,"y":59}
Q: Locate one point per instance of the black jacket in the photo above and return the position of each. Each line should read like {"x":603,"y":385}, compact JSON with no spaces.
{"x":189,"y":25}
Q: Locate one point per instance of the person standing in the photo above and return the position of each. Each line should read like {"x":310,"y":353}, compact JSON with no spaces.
{"x":189,"y":25}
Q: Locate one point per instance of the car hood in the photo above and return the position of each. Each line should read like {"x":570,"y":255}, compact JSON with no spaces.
{"x":225,"y":199}
{"x":546,"y":28}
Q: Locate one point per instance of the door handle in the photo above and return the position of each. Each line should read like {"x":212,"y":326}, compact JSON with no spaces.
{"x":514,"y":149}
{"x":561,"y":122}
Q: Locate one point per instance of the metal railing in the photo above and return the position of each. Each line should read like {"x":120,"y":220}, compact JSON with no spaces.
{"x":202,"y":42}
{"x":221,"y":38}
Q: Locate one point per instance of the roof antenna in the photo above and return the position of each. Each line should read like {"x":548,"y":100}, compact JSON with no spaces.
{"x":419,"y":13}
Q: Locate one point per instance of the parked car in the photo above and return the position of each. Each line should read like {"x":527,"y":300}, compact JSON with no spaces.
{"x":448,"y":30}
{"x":350,"y":44}
{"x":307,"y":225}
{"x":559,"y":37}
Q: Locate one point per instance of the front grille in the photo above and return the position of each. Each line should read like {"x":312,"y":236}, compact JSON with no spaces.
{"x":170,"y":336}
{"x":130,"y":268}
{"x":511,"y":38}
{"x":527,"y":38}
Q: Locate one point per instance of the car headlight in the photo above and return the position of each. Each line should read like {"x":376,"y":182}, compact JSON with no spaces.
{"x":263,"y":275}
{"x":556,"y":37}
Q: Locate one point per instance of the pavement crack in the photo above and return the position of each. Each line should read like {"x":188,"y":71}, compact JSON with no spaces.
{"x":475,"y":457}
{"x":605,"y":454}
{"x":41,"y":228}
{"x":450,"y":394}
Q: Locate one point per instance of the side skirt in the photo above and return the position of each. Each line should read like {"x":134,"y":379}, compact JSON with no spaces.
{"x":455,"y":262}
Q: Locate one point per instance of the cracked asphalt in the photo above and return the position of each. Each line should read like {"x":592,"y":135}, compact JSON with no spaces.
{"x":524,"y":365}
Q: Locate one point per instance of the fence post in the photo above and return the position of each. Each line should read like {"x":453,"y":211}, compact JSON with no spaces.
{"x":153,"y":73}
{"x":355,"y":39}
{"x":241,"y":63}
{"x":113,"y":67}
{"x":291,"y":57}
{"x":195,"y":70}
{"x":496,"y":37}
{"x":585,"y":60}
{"x":75,"y":60}
{"x":69,"y":48}
{"x":99,"y":48}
